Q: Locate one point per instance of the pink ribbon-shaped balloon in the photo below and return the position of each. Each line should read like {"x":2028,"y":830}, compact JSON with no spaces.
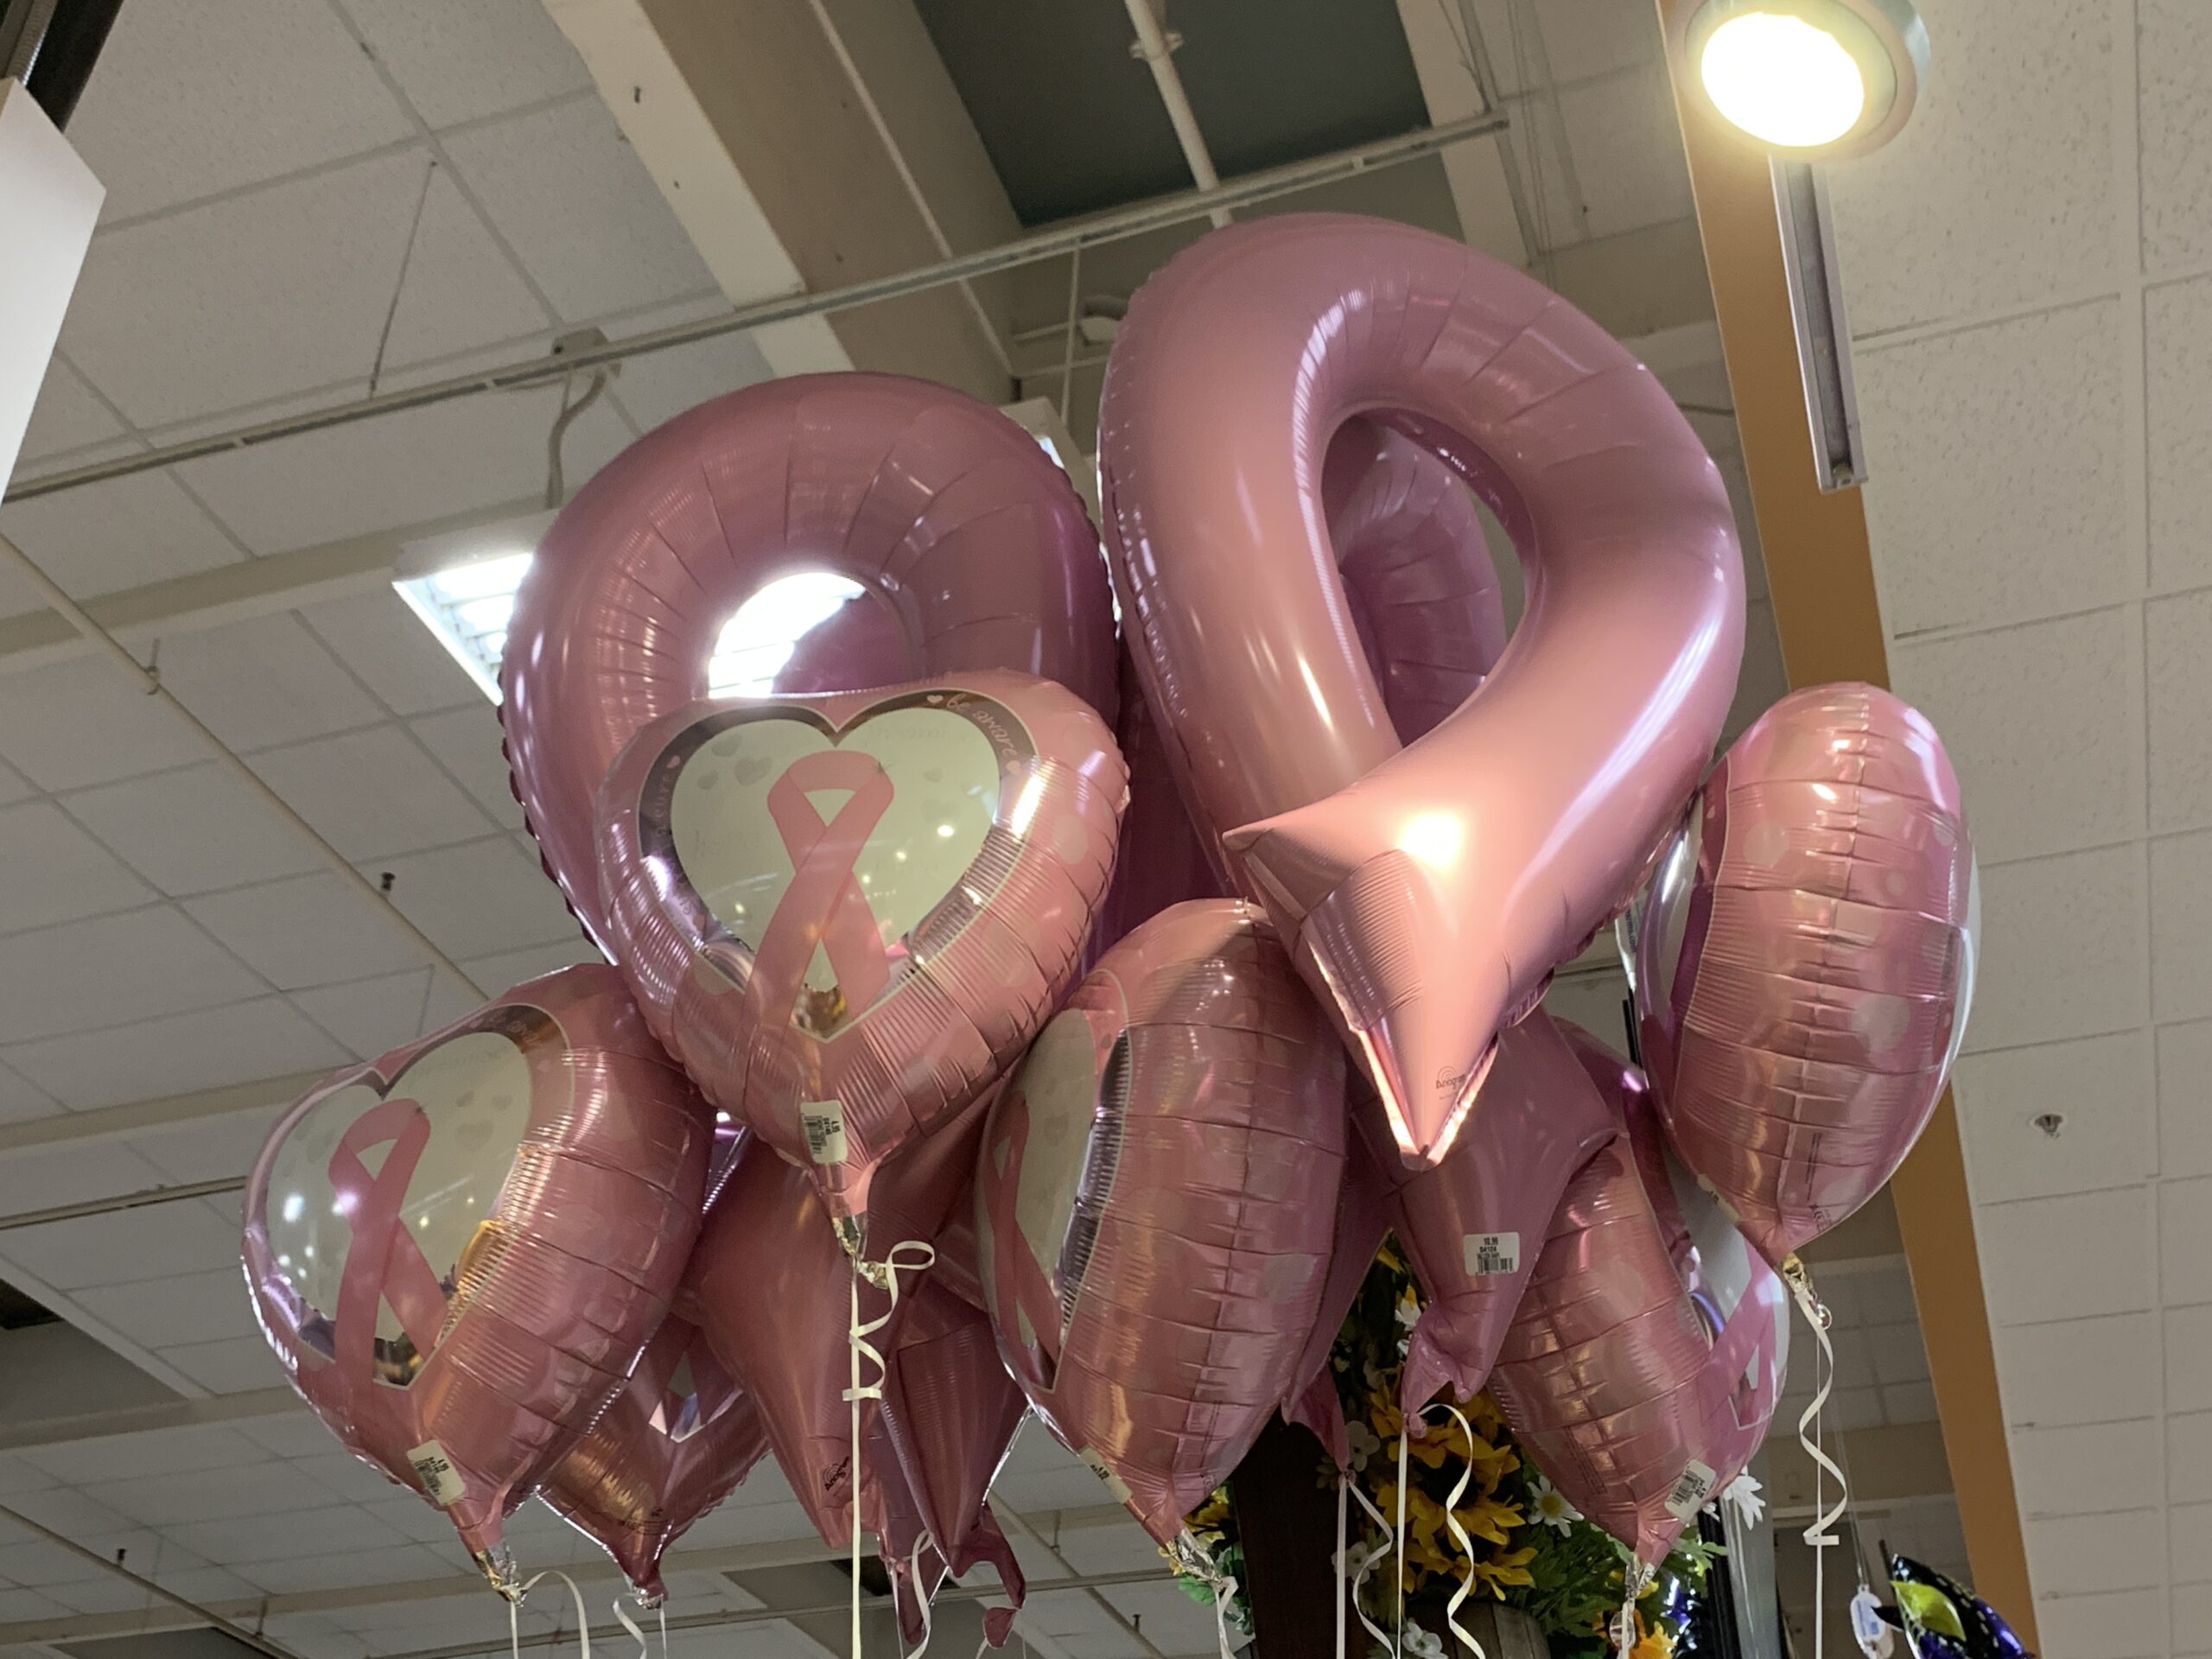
{"x":382,"y":1263}
{"x":824,"y":908}
{"x":1429,"y":889}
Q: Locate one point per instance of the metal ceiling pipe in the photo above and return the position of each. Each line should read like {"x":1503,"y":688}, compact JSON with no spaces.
{"x":149,"y":682}
{"x":1158,"y":51}
{"x":1056,"y":242}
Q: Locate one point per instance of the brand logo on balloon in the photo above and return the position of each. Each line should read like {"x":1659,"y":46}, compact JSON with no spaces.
{"x":380,"y":1194}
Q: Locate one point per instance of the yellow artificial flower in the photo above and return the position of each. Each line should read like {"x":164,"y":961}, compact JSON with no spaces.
{"x":1508,"y":1567}
{"x":1213,"y":1511}
{"x":1482,"y":1411}
{"x":1488,"y":1518}
{"x":1654,"y":1643}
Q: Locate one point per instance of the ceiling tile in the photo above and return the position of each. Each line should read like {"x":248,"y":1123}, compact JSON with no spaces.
{"x":210,"y":1149}
{"x":2100,"y":1086}
{"x":2111,"y":1625}
{"x":342,"y":1527}
{"x":82,"y":721}
{"x":59,"y":873}
{"x":574,"y":201}
{"x":661,"y":385}
{"x":255,"y":296}
{"x":1999,"y":190}
{"x":1969,"y":523}
{"x":2188,"y":1458}
{"x":68,"y":415}
{"x":2181,"y":909}
{"x":1908,"y":1402}
{"x":2174,"y":94}
{"x":263,"y":1487}
{"x":513,"y":967}
{"x":68,"y":1511}
{"x":2177,"y":412}
{"x":480,"y":899}
{"x":2099,"y":1370}
{"x":193,"y":829}
{"x":471,"y":454}
{"x":1628,"y":151}
{"x":12,"y":786}
{"x":462,"y":63}
{"x":467,"y":742}
{"x":106,"y":972}
{"x":161,"y":1451}
{"x":371,"y":1016}
{"x":297,"y":1433}
{"x":393,"y":654}
{"x":25,"y":1606}
{"x":1897,"y":1354}
{"x":462,"y":292}
{"x":373,"y":794}
{"x":2067,"y":1258}
{"x":207,"y":1048}
{"x":232,"y":1366}
{"x":19,"y":1102}
{"x":393,"y":1564}
{"x":2190,"y":1544}
{"x":71,"y":1174}
{"x":154,"y":1240}
{"x":2188,"y":1358}
{"x":2062,"y":1471}
{"x":264,"y":682}
{"x":343,"y":1475}
{"x":2177,"y":634}
{"x":2185,"y":1242}
{"x":170,"y":1312}
{"x":2044,"y":725}
{"x":1582,"y":38}
{"x":195,"y":96}
{"x":2031,"y":993}
{"x":2185,"y":1100}
{"x":125,"y":533}
{"x":308,"y":931}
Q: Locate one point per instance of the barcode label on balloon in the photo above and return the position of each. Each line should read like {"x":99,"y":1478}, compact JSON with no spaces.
{"x":1692,"y":1488}
{"x":436,"y":1470}
{"x":823,"y":1123}
{"x":1490,"y":1253}
{"x":1099,"y":1467}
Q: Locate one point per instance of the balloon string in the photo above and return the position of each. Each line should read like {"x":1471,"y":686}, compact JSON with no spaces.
{"x":1634,"y":1577}
{"x":908,"y":1256}
{"x":914,"y":1576}
{"x":1810,"y":1433}
{"x":660,"y":1612}
{"x":1344,"y":1510}
{"x":1459,"y":1533}
{"x":622,"y":1618}
{"x":583,"y":1617}
{"x":1359,"y":1582}
{"x":1398,"y":1542}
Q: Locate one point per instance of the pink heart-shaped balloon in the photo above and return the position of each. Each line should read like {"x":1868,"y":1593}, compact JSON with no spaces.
{"x":673,"y":1445}
{"x":460,"y":1251}
{"x":845,"y":914}
{"x":1156,"y":1201}
{"x":1427,"y":887}
{"x":1805,"y":959}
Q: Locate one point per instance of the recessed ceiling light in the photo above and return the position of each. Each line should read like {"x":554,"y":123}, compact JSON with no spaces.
{"x":1804,"y":79}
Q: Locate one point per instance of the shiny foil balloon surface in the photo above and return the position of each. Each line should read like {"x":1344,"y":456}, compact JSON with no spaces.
{"x":1636,"y":1404}
{"x":1429,"y":888}
{"x":1804,"y":962}
{"x":845,"y":914}
{"x":970,"y":547}
{"x":771,"y":1289}
{"x":1156,"y":1201}
{"x":1473,"y":1225}
{"x":673,"y":1445}
{"x":459,"y":1250}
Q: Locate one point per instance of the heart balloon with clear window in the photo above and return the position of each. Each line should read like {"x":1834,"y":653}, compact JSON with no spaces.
{"x":459,"y":1250}
{"x":846,"y":913}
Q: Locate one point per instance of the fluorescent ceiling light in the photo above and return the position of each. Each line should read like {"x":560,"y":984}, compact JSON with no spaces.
{"x":1805,"y":80}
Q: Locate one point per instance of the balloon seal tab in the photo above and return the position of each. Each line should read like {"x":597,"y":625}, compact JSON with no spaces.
{"x":852,"y":1233}
{"x":498,"y":1565}
{"x":1795,"y":1274}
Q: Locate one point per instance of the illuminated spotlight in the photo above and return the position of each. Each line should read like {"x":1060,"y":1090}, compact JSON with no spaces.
{"x":1807,"y":79}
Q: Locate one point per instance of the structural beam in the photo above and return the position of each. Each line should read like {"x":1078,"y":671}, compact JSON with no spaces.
{"x":790,"y":176}
{"x":1449,"y":59}
{"x":1820,"y":572}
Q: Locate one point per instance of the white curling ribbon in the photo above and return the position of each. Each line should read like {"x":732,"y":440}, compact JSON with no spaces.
{"x":1192,"y":1561}
{"x":1367,"y":1565}
{"x":914,"y":1578}
{"x":1343,"y":1512}
{"x":514,"y":1611}
{"x":909,"y":1256}
{"x":1452,"y":1523}
{"x":660,"y":1612}
{"x":1820,"y":1535}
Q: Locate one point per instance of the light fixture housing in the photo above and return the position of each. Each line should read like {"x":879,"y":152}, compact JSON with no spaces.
{"x":1737,"y":42}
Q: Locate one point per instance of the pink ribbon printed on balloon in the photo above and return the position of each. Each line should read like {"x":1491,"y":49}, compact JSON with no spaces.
{"x":1147,"y":978}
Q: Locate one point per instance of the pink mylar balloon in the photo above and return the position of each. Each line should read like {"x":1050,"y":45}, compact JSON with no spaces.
{"x":1363,"y":1222}
{"x":1429,"y":889}
{"x":1803,"y":965}
{"x":1473,"y":1225}
{"x":460,"y":1251}
{"x":1155,"y":1203}
{"x":671,"y":1447}
{"x":970,"y":547}
{"x":1628,"y":1397}
{"x":772,"y":1289}
{"x":845,"y":914}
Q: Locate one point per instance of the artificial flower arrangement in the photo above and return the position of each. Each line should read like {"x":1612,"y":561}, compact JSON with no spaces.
{"x":1532,"y":1549}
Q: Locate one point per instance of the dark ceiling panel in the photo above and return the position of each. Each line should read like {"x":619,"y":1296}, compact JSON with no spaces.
{"x":1074,"y":125}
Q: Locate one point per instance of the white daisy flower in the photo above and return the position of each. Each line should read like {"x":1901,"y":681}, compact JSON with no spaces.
{"x":1743,"y":1495}
{"x":1365,"y":1443}
{"x":1421,"y":1645}
{"x":1548,"y":1507}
